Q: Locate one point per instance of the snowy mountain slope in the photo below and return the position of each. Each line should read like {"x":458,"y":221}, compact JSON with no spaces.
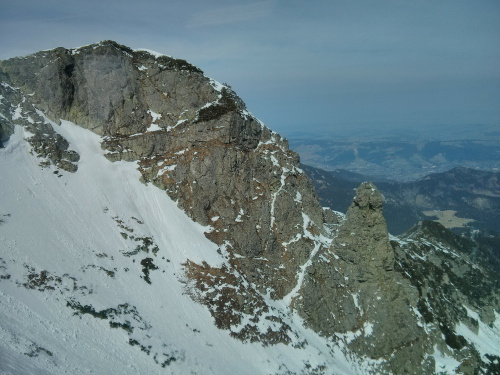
{"x":458,"y":294}
{"x":219,"y":259}
{"x":74,"y":297}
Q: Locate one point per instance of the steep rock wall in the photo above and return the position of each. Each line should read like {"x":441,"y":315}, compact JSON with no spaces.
{"x":192,"y":137}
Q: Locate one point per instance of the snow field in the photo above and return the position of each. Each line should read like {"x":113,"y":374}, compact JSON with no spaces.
{"x":78,"y":227}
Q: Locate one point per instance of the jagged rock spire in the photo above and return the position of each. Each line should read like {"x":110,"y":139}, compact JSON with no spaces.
{"x":363,"y":240}
{"x":352,"y":288}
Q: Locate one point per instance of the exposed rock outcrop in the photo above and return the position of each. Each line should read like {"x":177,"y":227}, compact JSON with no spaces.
{"x":352,"y":292}
{"x":47,"y":144}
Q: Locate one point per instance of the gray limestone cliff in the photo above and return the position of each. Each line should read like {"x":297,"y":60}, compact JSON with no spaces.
{"x":195,"y":139}
{"x":192,"y":137}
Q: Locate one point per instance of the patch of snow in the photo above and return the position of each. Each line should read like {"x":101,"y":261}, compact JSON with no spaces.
{"x":268,"y":142}
{"x":472,"y":314}
{"x":6,"y":85}
{"x":368,"y":328}
{"x":17,"y":112}
{"x":151,"y":52}
{"x":487,"y":340}
{"x":216,"y":85}
{"x":153,"y":128}
{"x":397,"y":239}
{"x":355,"y":299}
{"x":239,"y":218}
{"x":154,"y":115}
{"x":298,"y":197}
{"x":166,"y":168}
{"x":444,"y":363}
{"x":297,"y":237}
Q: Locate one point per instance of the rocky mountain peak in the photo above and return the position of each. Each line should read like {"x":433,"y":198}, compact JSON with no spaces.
{"x":368,"y":199}
{"x":192,"y":137}
{"x":279,"y":252}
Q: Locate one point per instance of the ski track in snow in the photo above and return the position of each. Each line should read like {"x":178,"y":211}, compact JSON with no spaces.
{"x":69,"y":226}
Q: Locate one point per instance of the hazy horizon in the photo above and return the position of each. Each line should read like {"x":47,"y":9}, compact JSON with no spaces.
{"x":322,"y":66}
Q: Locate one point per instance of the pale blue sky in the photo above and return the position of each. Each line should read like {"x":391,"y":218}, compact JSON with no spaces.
{"x":316,"y":65}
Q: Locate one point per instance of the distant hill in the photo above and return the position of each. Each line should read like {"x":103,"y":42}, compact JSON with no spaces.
{"x":460,"y":193}
{"x":402,"y":158}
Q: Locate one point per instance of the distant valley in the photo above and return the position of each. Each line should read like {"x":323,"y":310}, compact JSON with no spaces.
{"x":461,"y":199}
{"x":401,"y":154}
